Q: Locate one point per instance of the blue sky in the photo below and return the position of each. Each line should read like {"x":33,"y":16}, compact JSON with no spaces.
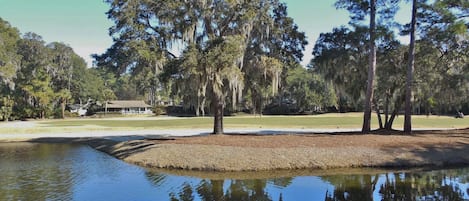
{"x":83,"y":24}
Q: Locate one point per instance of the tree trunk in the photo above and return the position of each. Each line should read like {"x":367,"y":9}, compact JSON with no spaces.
{"x":200,"y":110}
{"x":410,"y":72}
{"x":386,"y":108}
{"x":218,"y":116}
{"x":391,"y":120}
{"x":371,"y":70}
{"x":62,"y":106}
{"x":378,"y":114}
{"x":197,"y":108}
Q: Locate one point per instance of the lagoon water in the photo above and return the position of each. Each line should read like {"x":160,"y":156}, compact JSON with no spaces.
{"x":33,"y":171}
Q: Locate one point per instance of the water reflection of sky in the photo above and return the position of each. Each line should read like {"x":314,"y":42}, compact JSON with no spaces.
{"x":65,"y":172}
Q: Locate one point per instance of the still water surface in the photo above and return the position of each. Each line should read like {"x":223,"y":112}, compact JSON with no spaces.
{"x":73,"y":172}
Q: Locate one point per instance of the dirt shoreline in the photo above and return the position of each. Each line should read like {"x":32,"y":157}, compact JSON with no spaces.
{"x":233,"y":153}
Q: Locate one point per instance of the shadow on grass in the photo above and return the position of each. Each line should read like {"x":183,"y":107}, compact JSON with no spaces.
{"x":438,"y":155}
{"x":118,"y":146}
{"x":442,"y":149}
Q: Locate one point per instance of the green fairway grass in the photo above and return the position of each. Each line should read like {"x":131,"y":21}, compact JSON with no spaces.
{"x":325,"y":121}
{"x":350,"y":120}
{"x":197,"y":122}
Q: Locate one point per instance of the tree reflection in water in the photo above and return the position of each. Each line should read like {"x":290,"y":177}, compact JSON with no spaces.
{"x":184,"y":195}
{"x":397,"y":186}
{"x":415,"y":186}
{"x":351,"y":187}
{"x":431,"y":185}
{"x":212,"y":190}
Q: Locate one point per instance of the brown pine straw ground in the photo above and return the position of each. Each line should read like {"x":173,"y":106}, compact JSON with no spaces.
{"x":297,"y":151}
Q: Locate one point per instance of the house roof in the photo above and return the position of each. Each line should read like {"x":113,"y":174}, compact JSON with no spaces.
{"x":126,"y":104}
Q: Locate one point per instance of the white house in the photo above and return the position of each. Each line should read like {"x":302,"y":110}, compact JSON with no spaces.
{"x":128,"y":107}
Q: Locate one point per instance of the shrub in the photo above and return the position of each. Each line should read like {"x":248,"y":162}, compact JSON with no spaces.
{"x":159,"y":110}
{"x":70,"y":114}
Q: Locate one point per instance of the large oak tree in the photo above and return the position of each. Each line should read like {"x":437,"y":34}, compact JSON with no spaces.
{"x":220,"y":42}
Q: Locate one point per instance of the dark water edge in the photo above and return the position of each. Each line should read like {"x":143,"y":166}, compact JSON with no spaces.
{"x":41,"y":171}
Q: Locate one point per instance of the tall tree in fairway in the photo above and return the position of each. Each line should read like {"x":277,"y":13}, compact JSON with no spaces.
{"x":359,"y":9}
{"x":341,"y":56}
{"x":410,"y":71}
{"x":371,"y":69}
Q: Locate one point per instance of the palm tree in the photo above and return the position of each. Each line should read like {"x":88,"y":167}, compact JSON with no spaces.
{"x":64,"y":96}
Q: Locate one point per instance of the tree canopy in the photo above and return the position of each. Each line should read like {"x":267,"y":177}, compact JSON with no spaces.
{"x":38,"y":80}
{"x":222,"y":42}
{"x":219,"y":57}
{"x":340,"y":57}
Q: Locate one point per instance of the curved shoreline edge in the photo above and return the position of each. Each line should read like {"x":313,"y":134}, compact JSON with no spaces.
{"x":322,"y":151}
{"x":233,"y":159}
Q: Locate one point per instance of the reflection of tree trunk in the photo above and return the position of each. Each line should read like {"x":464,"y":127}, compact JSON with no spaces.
{"x":367,"y":187}
{"x":375,"y":181}
{"x":259,"y":190}
{"x":218,"y":115}
{"x":211,"y":190}
{"x":217,"y":190}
